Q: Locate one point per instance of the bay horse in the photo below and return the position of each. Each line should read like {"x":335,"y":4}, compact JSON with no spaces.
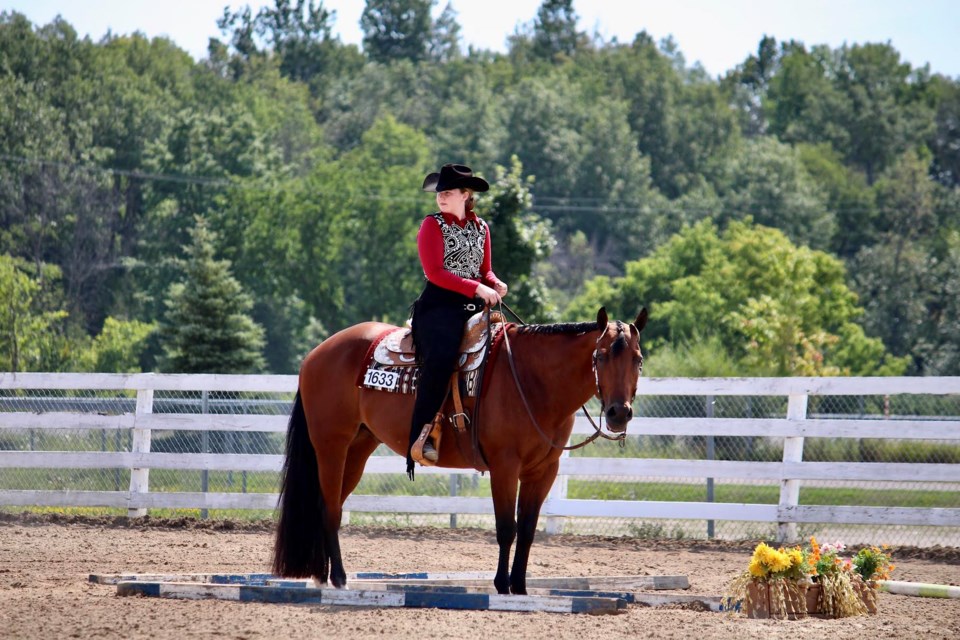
{"x":335,"y":426}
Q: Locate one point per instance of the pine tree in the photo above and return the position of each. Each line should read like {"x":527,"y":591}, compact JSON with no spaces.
{"x":396,"y":29}
{"x":206,"y":328}
{"x":555,"y":29}
{"x":445,"y":40}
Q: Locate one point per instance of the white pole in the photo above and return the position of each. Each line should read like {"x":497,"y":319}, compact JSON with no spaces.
{"x":792,"y":452}
{"x":140,"y":478}
{"x":554,"y":524}
{"x":919,"y":589}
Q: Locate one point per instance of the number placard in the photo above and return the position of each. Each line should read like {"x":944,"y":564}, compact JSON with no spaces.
{"x":381,"y":379}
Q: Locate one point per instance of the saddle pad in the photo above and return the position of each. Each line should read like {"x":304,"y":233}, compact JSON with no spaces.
{"x":404,"y":379}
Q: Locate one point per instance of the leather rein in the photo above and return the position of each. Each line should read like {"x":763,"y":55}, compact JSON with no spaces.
{"x":598,"y":432}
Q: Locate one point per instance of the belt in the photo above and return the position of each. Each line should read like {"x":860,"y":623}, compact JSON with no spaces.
{"x":472,"y":306}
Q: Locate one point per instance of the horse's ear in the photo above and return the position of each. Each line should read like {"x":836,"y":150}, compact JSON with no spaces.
{"x":641,"y":320}
{"x":602,"y":317}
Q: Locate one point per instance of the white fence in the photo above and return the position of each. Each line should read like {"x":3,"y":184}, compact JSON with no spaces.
{"x":790,"y":472}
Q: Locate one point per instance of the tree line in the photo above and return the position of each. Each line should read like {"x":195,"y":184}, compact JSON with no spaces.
{"x":798,"y":215}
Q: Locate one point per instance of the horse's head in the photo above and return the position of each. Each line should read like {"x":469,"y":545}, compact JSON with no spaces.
{"x":617,"y":363}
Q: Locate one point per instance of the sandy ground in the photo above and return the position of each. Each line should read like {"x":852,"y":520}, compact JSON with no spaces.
{"x":45,"y":561}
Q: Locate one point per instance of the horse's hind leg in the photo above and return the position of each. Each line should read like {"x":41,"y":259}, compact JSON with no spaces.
{"x":331,"y":464}
{"x":360,"y":449}
{"x":340,"y":472}
{"x":533,"y":492}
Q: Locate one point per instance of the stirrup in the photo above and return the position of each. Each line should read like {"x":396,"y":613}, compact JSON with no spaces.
{"x":417,"y":450}
{"x":429,"y":452}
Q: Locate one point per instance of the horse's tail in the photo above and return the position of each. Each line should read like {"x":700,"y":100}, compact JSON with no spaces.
{"x":299,"y":550}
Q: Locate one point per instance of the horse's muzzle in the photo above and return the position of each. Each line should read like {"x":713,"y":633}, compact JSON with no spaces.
{"x":618,"y":415}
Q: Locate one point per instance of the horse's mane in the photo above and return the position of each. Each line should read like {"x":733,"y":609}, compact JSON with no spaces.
{"x":557,"y":328}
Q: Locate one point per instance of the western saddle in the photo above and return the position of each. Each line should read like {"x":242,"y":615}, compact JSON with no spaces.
{"x":396,"y":350}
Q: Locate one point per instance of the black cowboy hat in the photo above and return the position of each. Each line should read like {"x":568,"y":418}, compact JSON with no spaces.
{"x":454,"y":176}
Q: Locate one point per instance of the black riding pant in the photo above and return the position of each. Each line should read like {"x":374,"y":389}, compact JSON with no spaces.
{"x":438,"y":318}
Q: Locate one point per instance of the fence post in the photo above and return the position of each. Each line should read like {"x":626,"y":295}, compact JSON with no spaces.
{"x":204,"y":448}
{"x":554,"y":524}
{"x":140,"y":478}
{"x":792,"y":452}
{"x":711,"y":455}
{"x":454,"y":486}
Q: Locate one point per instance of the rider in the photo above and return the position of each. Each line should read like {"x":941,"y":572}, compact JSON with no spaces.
{"x":454,"y":248}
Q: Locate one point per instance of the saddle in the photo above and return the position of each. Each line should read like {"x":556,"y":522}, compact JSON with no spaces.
{"x":396,"y":350}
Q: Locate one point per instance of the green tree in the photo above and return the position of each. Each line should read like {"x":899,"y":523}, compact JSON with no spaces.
{"x":404,"y":91}
{"x":946,"y":137}
{"x":749,"y":83}
{"x":590,"y":175}
{"x":206,"y":328}
{"x":396,"y":29}
{"x":776,"y":308}
{"x":938,"y":352}
{"x":26,"y":329}
{"x":118,"y":347}
{"x":801,"y":104}
{"x":888,"y":105}
{"x":445,"y":38}
{"x":847,"y":198}
{"x":895,"y":276}
{"x":378,"y":271}
{"x":555,"y":30}
{"x":862,"y":99}
{"x":768,"y":182}
{"x":520,"y":239}
{"x":298,"y":35}
{"x":681,"y":119}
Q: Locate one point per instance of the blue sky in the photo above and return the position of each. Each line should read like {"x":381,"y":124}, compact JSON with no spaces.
{"x":717,"y":33}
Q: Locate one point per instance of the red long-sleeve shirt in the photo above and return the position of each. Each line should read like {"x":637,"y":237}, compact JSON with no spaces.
{"x":430,"y":248}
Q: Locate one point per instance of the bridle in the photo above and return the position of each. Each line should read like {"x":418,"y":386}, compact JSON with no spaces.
{"x":598,"y":430}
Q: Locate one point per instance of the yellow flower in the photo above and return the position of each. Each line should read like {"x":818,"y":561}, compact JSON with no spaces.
{"x":761,"y":553}
{"x":779,"y":561}
{"x":796,"y":557}
{"x":757,"y":569}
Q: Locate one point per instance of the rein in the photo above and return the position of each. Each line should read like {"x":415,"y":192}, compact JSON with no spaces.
{"x":598,"y":432}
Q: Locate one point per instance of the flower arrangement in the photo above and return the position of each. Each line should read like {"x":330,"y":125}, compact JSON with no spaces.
{"x":790,"y":582}
{"x":869,"y":565}
{"x":774,"y":583}
{"x":873,"y":563}
{"x":839,"y":597}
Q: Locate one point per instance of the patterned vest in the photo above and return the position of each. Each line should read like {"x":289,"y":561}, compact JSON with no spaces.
{"x":462,"y":248}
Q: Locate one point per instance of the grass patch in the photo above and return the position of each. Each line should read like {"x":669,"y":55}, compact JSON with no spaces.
{"x":759,"y":494}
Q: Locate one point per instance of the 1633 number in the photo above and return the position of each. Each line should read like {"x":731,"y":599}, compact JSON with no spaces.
{"x":380,"y":379}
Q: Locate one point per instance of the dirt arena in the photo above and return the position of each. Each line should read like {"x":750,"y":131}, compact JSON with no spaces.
{"x":45,"y":561}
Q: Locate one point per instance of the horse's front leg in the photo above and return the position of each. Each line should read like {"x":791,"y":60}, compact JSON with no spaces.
{"x":503,"y":485}
{"x":533,"y":492}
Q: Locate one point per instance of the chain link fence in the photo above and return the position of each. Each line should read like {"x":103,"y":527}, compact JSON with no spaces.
{"x":726,"y":490}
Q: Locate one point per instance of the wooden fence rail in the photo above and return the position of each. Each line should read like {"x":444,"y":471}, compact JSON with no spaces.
{"x":790,"y":472}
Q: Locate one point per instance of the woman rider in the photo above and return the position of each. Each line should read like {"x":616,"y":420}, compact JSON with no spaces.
{"x":454,"y":248}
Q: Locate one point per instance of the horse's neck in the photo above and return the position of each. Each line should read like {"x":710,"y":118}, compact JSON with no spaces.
{"x":558,"y":369}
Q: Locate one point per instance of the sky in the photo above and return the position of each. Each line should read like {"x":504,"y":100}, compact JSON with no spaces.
{"x":719,"y":34}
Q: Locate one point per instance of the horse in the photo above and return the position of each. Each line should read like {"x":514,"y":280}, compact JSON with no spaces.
{"x":527,"y":414}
